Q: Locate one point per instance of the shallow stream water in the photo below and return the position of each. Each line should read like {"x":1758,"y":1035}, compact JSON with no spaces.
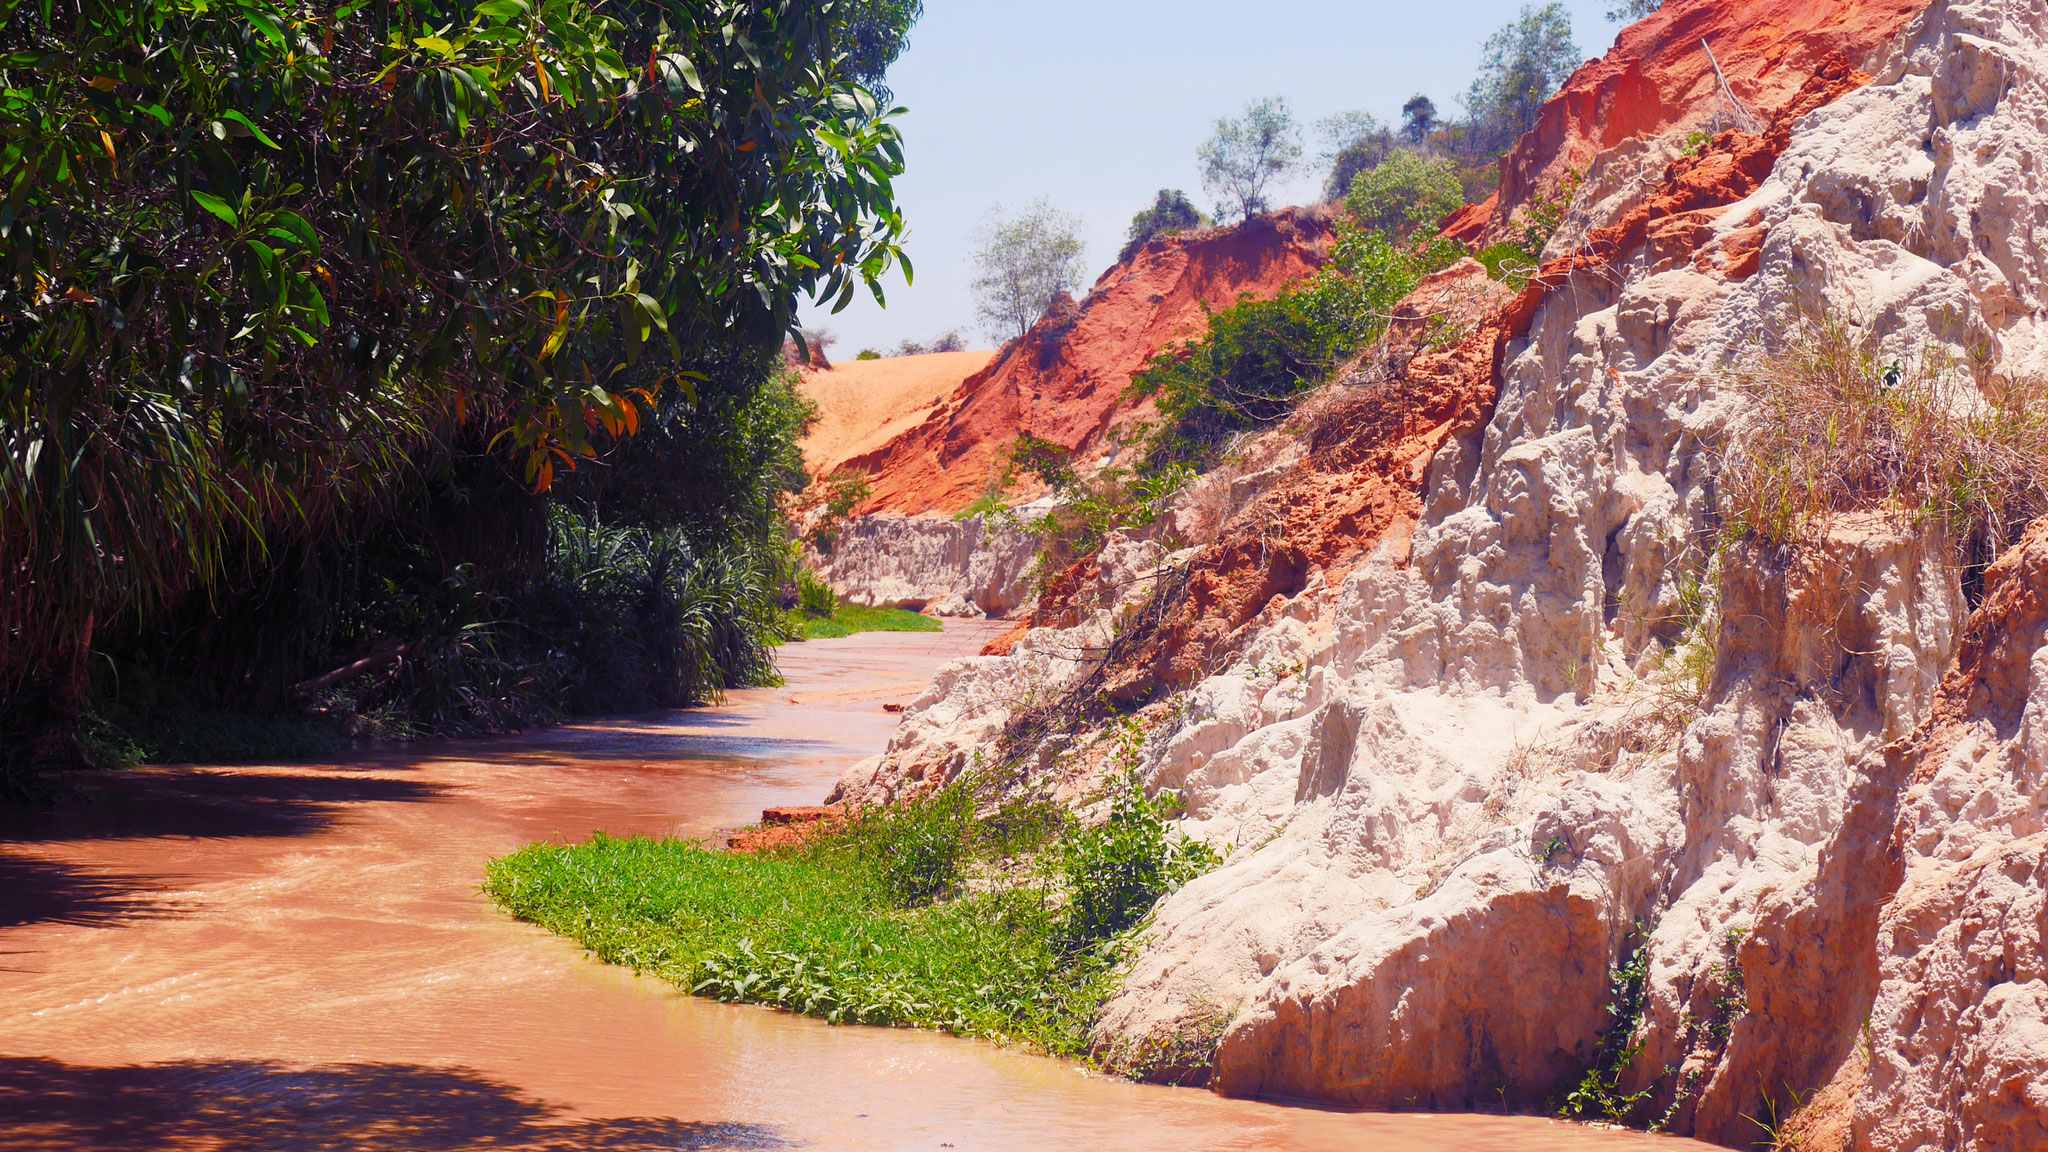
{"x":298,"y":957}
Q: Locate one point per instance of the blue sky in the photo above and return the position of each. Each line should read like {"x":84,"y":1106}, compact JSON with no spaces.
{"x":1096,"y":104}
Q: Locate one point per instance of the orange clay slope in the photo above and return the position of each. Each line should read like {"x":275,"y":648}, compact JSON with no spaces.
{"x":1657,"y":79}
{"x":1065,"y":380}
{"x":864,"y":404}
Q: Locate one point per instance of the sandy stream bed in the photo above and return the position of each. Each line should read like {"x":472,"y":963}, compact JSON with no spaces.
{"x":297,"y":957}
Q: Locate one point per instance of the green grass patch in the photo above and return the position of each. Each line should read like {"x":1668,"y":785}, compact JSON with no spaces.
{"x":1008,"y":926}
{"x":848,"y":619}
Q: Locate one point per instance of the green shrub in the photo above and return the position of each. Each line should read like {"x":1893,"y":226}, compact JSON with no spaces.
{"x":1508,"y":262}
{"x":879,"y":924}
{"x":867,"y":354}
{"x":813,"y":595}
{"x":1598,"y":1094}
{"x":839,"y":494}
{"x":1259,"y":356}
{"x":1405,"y":194}
{"x":1171,"y":211}
{"x":915,"y":849}
{"x":1089,"y":507}
{"x":1514,"y":260}
{"x":1118,"y":870}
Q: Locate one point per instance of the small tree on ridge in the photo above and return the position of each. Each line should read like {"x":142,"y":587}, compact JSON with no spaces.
{"x":1171,"y":211}
{"x":1024,"y":263}
{"x":1245,"y":154}
{"x":1523,"y":63}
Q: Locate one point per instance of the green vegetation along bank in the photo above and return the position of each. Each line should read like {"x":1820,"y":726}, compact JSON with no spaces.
{"x":1007,"y":926}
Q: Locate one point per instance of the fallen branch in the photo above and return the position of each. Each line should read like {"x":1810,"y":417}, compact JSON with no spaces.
{"x":374,"y":662}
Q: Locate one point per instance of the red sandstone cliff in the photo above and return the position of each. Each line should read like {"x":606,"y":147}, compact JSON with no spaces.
{"x":1065,"y":380}
{"x":1656,"y":79}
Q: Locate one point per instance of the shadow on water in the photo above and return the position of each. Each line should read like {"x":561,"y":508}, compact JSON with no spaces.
{"x":260,"y":1106}
{"x":689,"y":735}
{"x":45,"y":892}
{"x":204,"y":805}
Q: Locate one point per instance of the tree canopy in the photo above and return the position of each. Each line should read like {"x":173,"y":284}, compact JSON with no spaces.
{"x":1023,"y":262}
{"x":1171,"y":211}
{"x":1353,"y":142}
{"x":1405,"y":196}
{"x":259,"y":260}
{"x":1245,"y":154}
{"x":1521,"y":65}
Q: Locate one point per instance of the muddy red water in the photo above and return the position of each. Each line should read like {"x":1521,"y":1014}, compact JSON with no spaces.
{"x":298,"y":958}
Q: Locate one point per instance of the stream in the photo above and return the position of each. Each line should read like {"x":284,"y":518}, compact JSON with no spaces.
{"x":298,"y":957}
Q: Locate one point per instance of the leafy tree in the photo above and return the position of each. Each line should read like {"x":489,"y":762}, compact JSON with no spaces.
{"x":1630,"y":11}
{"x":1354,"y":142}
{"x":1244,"y":155}
{"x":879,"y":31}
{"x":1406,"y":195}
{"x":1024,"y":263}
{"x":1418,"y":118}
{"x":1171,"y":211}
{"x":1523,"y":63}
{"x":265,"y":263}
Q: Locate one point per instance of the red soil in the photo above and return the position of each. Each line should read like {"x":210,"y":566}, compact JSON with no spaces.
{"x":1370,"y":446}
{"x":1656,"y":79}
{"x":1675,"y":223}
{"x":790,"y":827}
{"x":1065,"y":380}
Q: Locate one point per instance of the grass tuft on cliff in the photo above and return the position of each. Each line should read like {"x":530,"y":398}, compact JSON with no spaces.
{"x":1007,"y":927}
{"x":1837,"y":427}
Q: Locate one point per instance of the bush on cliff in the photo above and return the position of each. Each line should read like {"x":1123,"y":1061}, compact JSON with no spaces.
{"x":1089,"y":505}
{"x":1171,"y":212}
{"x":1008,"y":926}
{"x":1259,"y":356}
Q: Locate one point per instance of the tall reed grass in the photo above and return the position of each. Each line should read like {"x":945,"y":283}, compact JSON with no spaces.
{"x":1835,"y":427}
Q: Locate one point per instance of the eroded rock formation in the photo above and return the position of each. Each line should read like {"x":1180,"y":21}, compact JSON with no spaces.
{"x":928,"y":455}
{"x":1450,"y":666}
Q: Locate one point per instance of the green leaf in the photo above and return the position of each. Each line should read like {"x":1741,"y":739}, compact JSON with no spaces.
{"x":292,"y":226}
{"x":318,"y":302}
{"x":265,"y":25}
{"x":436,"y":45}
{"x":503,"y":9}
{"x":245,"y":122}
{"x":677,"y":65}
{"x":217,"y":206}
{"x":654,"y":310}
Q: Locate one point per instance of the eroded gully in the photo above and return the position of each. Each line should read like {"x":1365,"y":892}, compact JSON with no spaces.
{"x":298,"y":957}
